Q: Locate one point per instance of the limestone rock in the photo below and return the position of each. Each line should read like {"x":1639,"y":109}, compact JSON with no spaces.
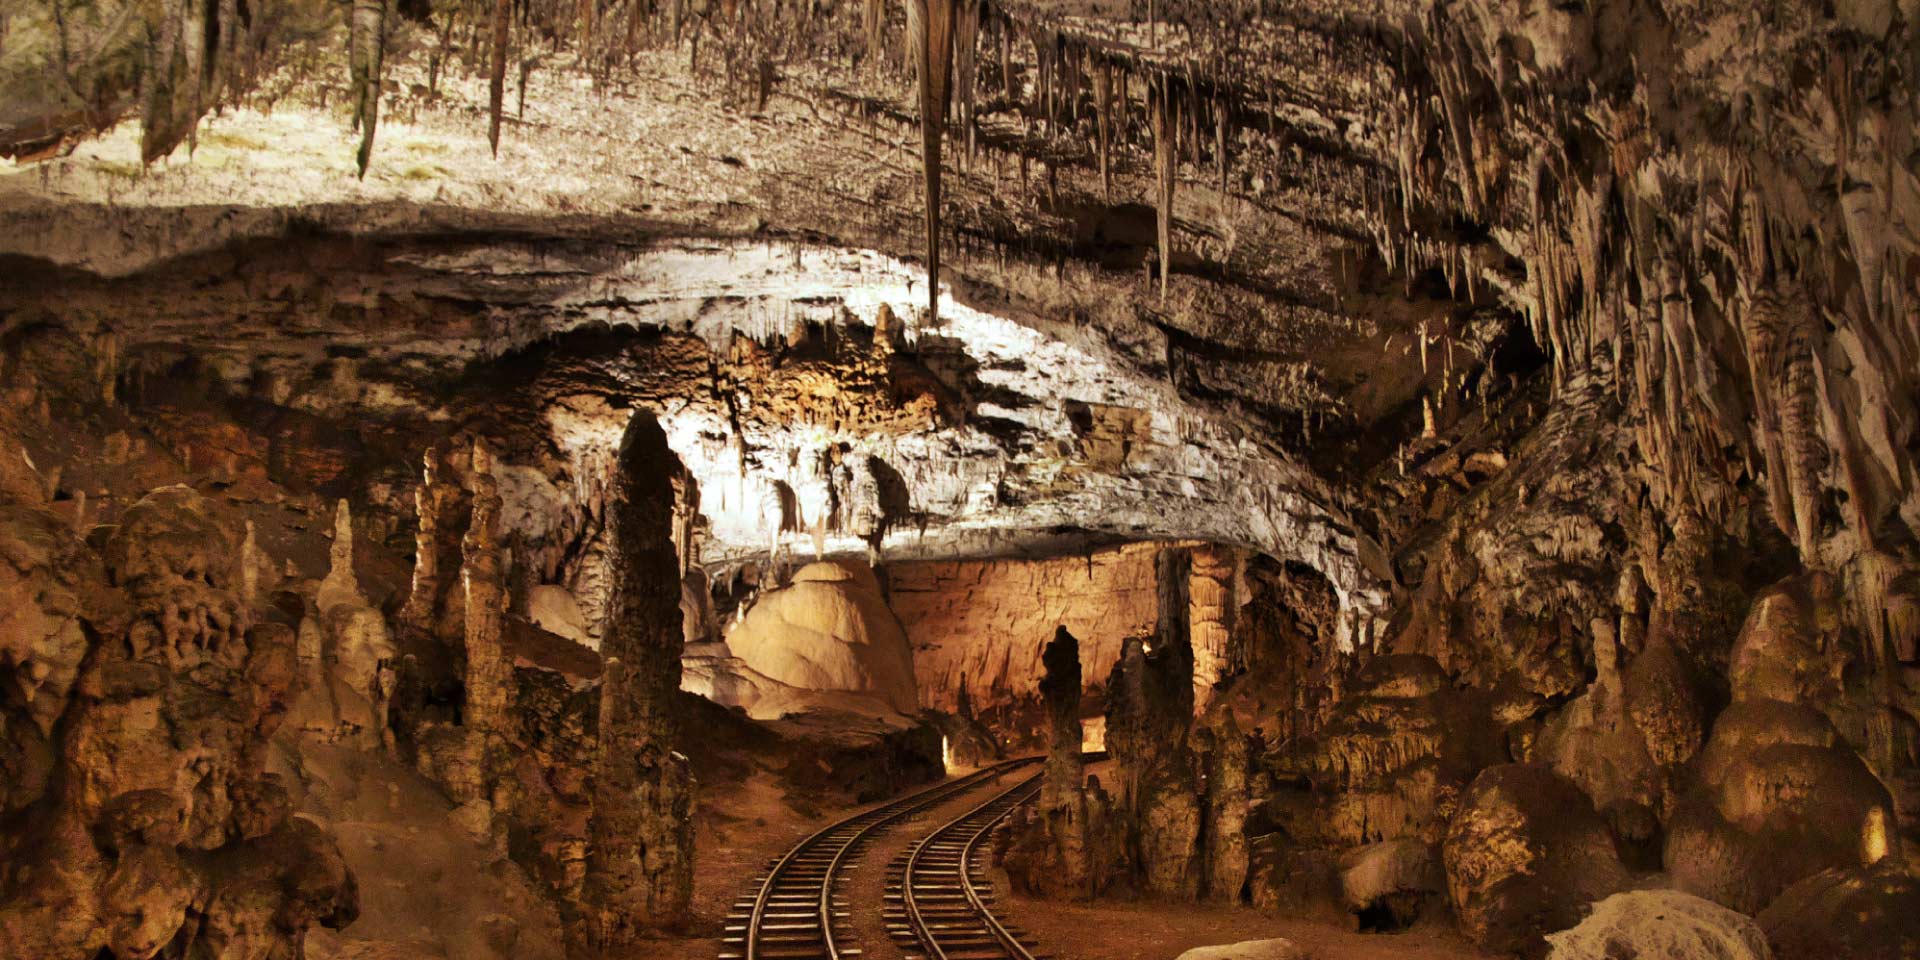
{"x":829,"y":631}
{"x":347,"y":657}
{"x":1053,"y":852}
{"x":1392,"y":757}
{"x":553,"y":608}
{"x":1778,"y":801}
{"x":1294,"y":882}
{"x":1859,"y":913}
{"x":1661,"y":923}
{"x":1390,"y":882}
{"x":1227,"y":803}
{"x":1524,"y":855}
{"x":640,"y":859}
{"x":164,"y":812}
{"x":1248,"y":950}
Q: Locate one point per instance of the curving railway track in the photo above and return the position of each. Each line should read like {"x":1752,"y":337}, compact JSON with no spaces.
{"x":937,"y":908}
{"x":794,"y":914}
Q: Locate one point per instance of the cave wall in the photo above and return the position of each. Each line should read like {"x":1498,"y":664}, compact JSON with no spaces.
{"x":983,"y":625}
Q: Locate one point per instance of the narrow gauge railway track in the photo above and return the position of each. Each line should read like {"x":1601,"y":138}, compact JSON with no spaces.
{"x":794,"y":914}
{"x":937,"y":907}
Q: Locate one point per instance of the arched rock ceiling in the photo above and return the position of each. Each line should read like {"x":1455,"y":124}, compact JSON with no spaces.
{"x":974,"y":436}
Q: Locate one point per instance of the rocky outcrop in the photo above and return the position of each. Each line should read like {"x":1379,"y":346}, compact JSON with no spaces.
{"x":826,"y":640}
{"x":1397,"y":749}
{"x":1064,"y":849}
{"x":1524,"y":855}
{"x":1852,"y":914}
{"x":640,"y":859}
{"x":143,"y":821}
{"x":346,"y":654}
{"x":981,"y":626}
{"x":1661,"y":923}
{"x":1248,"y":950}
{"x":1389,"y":885}
{"x":1778,"y":801}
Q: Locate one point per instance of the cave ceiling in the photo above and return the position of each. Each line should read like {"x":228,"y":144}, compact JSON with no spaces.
{"x":1228,"y":272}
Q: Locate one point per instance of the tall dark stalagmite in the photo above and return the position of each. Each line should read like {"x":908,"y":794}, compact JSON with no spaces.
{"x":640,"y":855}
{"x":1060,"y":690}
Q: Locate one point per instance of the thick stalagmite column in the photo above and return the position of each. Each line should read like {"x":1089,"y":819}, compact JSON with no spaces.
{"x":489,"y":674}
{"x":441,"y":507}
{"x":640,"y":853}
{"x":1228,"y":796}
{"x":1062,"y":805}
{"x":1149,"y":712}
{"x":1060,"y":691}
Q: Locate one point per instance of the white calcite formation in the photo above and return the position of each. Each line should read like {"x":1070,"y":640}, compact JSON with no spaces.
{"x":826,"y":641}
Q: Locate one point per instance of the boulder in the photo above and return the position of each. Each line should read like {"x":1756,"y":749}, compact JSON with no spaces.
{"x":1860,"y":913}
{"x":1388,"y":883}
{"x":1779,"y":800}
{"x":1292,"y":882}
{"x":1666,"y":924}
{"x":1524,"y":855}
{"x":553,"y":608}
{"x":1275,"y":949}
{"x":828,"y":632}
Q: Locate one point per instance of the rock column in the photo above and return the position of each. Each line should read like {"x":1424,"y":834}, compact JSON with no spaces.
{"x":1149,"y":712}
{"x":489,"y":675}
{"x":1060,"y":691}
{"x":640,"y":853}
{"x":1226,"y":811}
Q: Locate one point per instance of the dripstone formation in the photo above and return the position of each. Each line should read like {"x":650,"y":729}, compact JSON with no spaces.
{"x":1455,"y":458}
{"x":640,"y":864}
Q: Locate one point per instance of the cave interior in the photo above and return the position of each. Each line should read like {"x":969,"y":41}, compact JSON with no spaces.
{"x":972,"y":479}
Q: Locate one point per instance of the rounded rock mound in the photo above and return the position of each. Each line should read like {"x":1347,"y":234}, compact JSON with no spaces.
{"x":828,"y":632}
{"x":1661,"y":923}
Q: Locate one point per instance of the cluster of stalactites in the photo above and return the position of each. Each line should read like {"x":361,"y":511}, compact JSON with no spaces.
{"x":1730,"y":303}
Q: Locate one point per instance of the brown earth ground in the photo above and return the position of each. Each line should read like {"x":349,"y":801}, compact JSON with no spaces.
{"x":758,"y":826}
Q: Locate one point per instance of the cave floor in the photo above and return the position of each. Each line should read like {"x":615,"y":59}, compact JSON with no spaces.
{"x":743,"y":829}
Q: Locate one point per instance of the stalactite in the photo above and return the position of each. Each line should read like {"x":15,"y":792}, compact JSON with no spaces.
{"x":1794,"y":382}
{"x":497,"y":73}
{"x":366,"y":51}
{"x":930,"y":38}
{"x":1103,"y":119}
{"x":1160,"y":106}
{"x":874,"y":24}
{"x":966,"y":60}
{"x":171,"y":80}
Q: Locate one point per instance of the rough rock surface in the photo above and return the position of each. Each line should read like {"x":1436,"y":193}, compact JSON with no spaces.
{"x":828,"y":632}
{"x":1778,"y":801}
{"x":1247,"y":950}
{"x":1661,"y":923}
{"x":1849,"y":914}
{"x":1524,"y":856}
{"x":640,"y":861}
{"x":143,"y":820}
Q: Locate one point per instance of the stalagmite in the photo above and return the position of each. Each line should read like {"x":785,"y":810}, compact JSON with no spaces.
{"x":439,"y":508}
{"x":1228,"y":796}
{"x":1060,"y":690}
{"x":640,"y":854}
{"x":489,"y":677}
